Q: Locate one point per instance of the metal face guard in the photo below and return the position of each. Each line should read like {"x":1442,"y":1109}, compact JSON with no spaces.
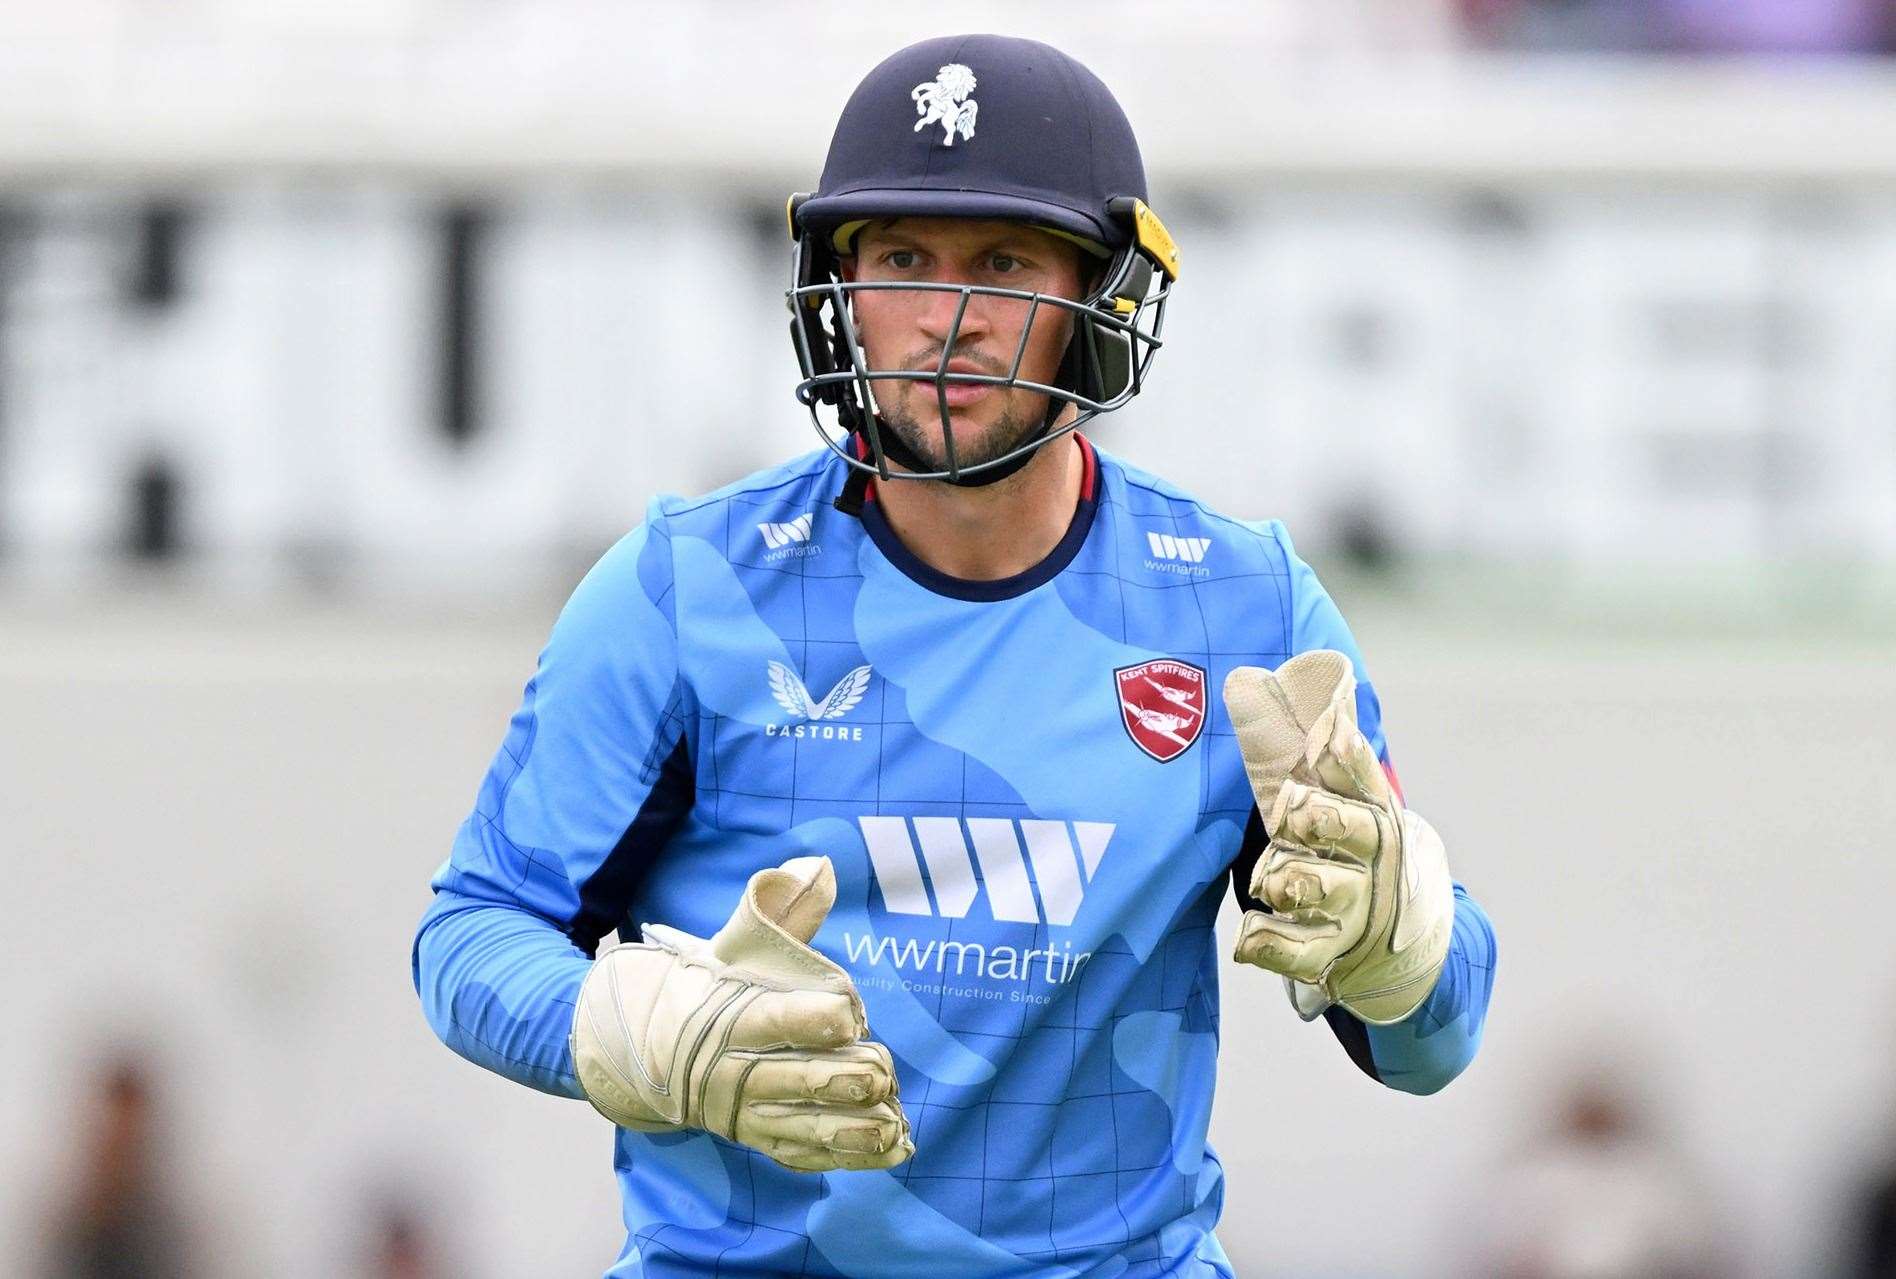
{"x":1117,"y":330}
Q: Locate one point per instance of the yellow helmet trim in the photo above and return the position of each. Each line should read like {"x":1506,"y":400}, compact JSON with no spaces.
{"x":1154,"y":238}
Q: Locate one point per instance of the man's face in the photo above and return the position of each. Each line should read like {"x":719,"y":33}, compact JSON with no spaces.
{"x":909,"y":328}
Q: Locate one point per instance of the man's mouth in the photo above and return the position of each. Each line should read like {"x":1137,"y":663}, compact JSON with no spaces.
{"x":962,"y":394}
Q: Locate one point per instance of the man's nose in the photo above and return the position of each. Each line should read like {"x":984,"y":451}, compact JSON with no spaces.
{"x":940,"y":309}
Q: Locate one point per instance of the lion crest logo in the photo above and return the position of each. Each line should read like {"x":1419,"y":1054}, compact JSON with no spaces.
{"x":945,"y":101}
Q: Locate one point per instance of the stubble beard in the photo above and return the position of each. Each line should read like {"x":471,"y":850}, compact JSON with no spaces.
{"x":1009,"y":432}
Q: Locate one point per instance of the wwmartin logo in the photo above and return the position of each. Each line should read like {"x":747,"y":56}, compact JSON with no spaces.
{"x":1180,"y":555}
{"x":1063,"y":855}
{"x":797,"y":530}
{"x":790,"y":539}
{"x":1166,"y":547}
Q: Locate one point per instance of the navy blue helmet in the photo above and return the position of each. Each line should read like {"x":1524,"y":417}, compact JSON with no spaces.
{"x":980,"y":126}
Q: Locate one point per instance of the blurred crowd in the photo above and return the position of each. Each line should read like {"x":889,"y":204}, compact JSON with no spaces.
{"x":1684,"y":26}
{"x":127,"y":1210}
{"x":1596,"y":1187}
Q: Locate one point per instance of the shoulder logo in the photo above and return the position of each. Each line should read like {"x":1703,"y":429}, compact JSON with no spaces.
{"x":1162,"y":704}
{"x":1166,"y":547}
{"x":807,"y":713}
{"x":1180,"y":555}
{"x":790,"y":540}
{"x":945,"y":101}
{"x":780,"y":535}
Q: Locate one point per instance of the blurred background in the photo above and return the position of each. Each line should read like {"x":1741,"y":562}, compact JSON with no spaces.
{"x":336,"y":340}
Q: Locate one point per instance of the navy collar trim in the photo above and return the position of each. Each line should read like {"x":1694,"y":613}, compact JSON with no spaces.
{"x":1004,"y":588}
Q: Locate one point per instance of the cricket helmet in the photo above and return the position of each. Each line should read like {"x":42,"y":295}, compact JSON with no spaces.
{"x":980,"y":126}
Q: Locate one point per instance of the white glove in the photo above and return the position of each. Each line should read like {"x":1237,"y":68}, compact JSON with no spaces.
{"x":751,"y":1035}
{"x":1362,"y":900}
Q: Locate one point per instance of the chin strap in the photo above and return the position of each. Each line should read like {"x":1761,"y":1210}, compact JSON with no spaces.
{"x":855,"y":491}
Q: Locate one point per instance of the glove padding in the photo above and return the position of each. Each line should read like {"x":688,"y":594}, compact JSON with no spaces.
{"x":1361,"y":904}
{"x":752,"y":1034}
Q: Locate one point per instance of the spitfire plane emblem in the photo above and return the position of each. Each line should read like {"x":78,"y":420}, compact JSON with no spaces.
{"x":945,"y":101}
{"x":1162,"y":703}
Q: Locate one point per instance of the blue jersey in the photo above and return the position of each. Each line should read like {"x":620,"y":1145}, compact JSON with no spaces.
{"x":1032,"y":798}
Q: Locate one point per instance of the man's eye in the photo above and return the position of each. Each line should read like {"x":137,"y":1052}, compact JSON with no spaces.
{"x":1002,"y":264}
{"x":900,"y":259}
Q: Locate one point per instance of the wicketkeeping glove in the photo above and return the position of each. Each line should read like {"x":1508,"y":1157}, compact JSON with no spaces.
{"x":1361,"y":904}
{"x":752,"y":1034}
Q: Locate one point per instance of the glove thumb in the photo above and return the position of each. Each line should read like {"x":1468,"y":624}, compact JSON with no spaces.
{"x":781,"y":910}
{"x":1274,"y":713}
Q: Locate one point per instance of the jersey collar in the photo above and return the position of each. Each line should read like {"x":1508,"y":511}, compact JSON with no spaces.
{"x":1004,"y":588}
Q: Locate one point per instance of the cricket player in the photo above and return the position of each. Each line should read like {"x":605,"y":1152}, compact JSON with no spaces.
{"x":910,"y":772}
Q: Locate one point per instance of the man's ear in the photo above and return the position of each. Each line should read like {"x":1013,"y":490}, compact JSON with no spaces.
{"x":846,"y":267}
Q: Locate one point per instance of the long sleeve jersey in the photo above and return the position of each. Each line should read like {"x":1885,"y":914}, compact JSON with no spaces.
{"x":1032,"y":797}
